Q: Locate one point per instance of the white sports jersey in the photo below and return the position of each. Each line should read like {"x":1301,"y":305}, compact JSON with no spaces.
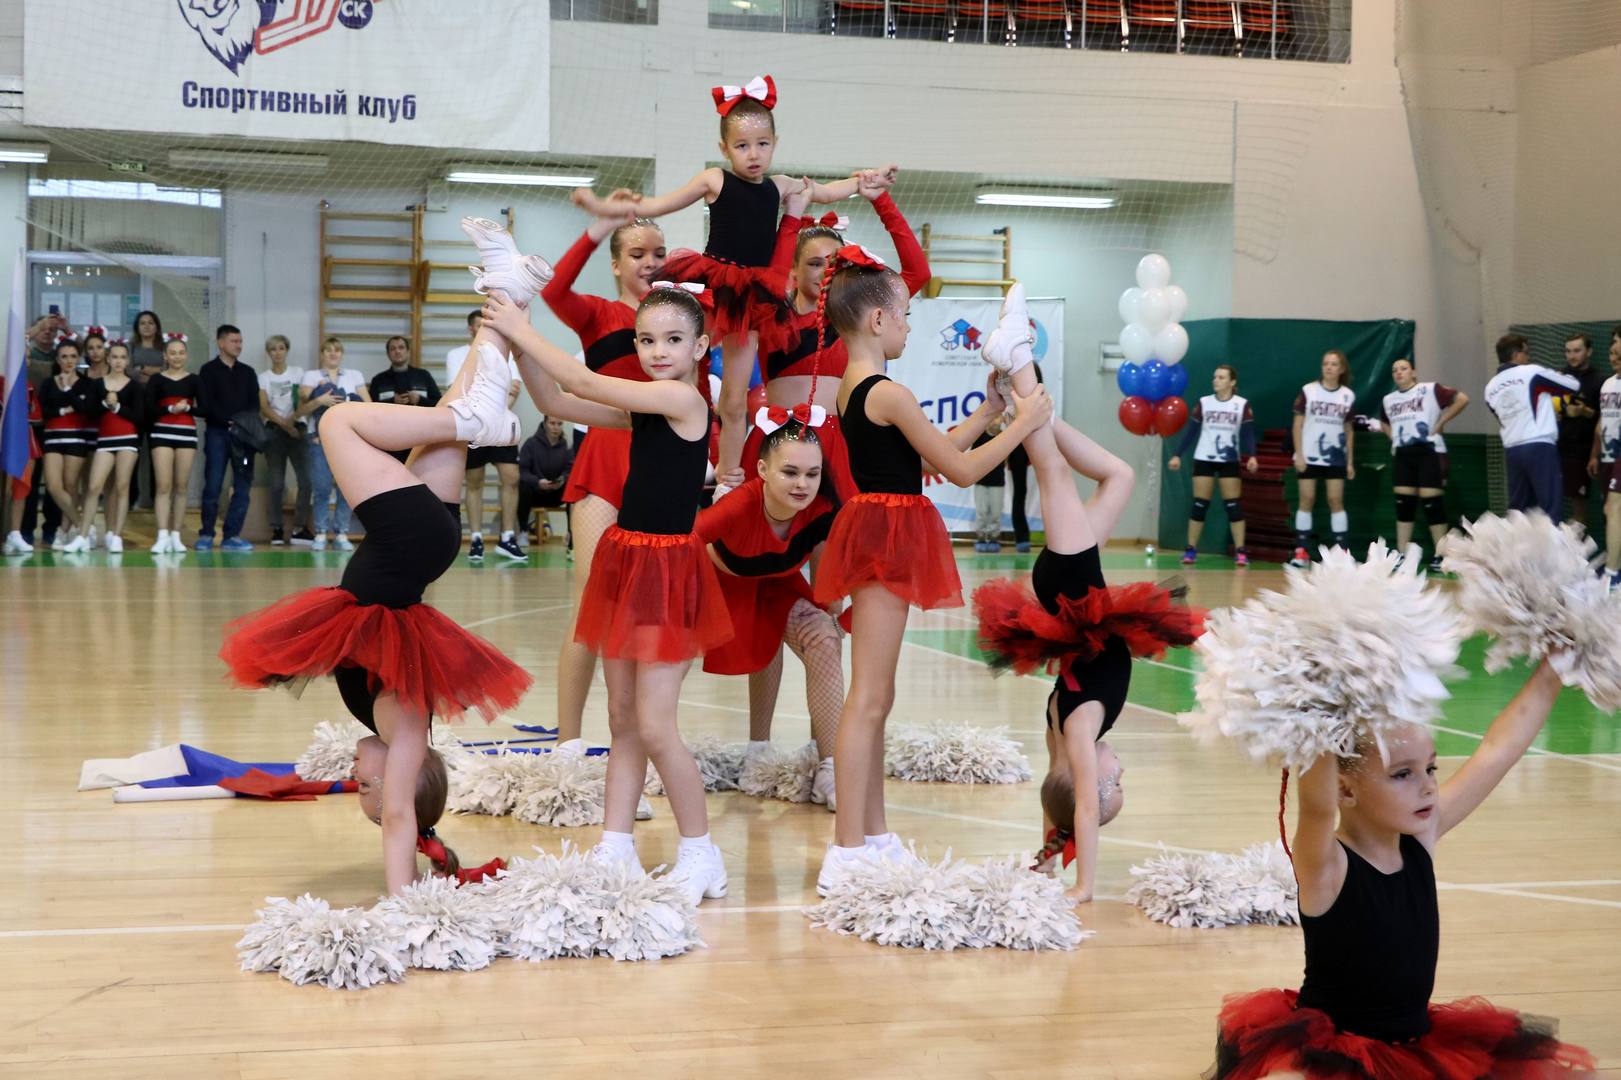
{"x":1521,"y":396}
{"x":1322,"y":438}
{"x":1609,"y":419}
{"x":1219,"y":424}
{"x":1412,"y":414}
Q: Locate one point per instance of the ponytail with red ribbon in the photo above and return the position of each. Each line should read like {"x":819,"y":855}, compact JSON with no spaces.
{"x":1059,"y":842}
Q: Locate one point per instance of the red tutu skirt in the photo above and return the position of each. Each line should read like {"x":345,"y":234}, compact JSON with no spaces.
{"x":759,"y":608}
{"x":600,"y":466}
{"x":835,"y":456}
{"x":743,"y":296}
{"x":1019,"y":633}
{"x":1470,"y":1039}
{"x":897,"y":541}
{"x":416,"y":653}
{"x":652,"y":598}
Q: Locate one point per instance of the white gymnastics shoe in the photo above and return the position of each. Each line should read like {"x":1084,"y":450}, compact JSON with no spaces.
{"x":1009,"y":347}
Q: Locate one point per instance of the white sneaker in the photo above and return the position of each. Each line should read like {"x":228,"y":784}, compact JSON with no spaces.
{"x":91,"y":536}
{"x":59,"y":542}
{"x":822,"y":785}
{"x":836,"y":864}
{"x":521,"y":284}
{"x":1009,"y":346}
{"x":576,"y":747}
{"x":890,"y":848}
{"x":77,"y":546}
{"x":115,"y":544}
{"x":644,"y":809}
{"x":610,"y":856}
{"x":177,"y":546}
{"x":497,"y":250}
{"x":16,"y":545}
{"x":483,"y":403}
{"x":343,"y":543}
{"x":160,"y":546}
{"x":319,"y":543}
{"x":701,"y":872}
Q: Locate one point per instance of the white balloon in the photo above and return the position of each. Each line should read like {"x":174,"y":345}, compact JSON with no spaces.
{"x":1136,"y":343}
{"x":1179,"y":302}
{"x":1171,"y":344}
{"x":1153,"y":271}
{"x":1154,"y":310}
{"x":1128,"y":304}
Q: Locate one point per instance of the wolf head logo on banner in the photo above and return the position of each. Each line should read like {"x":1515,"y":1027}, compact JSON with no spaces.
{"x":232,"y":29}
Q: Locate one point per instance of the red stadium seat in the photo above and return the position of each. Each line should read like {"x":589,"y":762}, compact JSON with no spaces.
{"x":1152,"y":21}
{"x":1213,"y":21}
{"x":1101,"y":23}
{"x":1043,"y":22}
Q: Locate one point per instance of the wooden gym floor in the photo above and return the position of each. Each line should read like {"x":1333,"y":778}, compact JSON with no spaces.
{"x":117,"y":923}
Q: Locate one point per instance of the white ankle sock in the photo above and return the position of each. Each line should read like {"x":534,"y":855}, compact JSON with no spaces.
{"x":1303,"y":521}
{"x":505,"y":536}
{"x":1340,"y":521}
{"x":478,"y":536}
{"x":620,"y":843}
{"x":693,"y":844}
{"x":878,"y":841}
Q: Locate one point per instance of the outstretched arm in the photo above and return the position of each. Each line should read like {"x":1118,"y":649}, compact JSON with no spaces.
{"x":1080,"y":746}
{"x":706,"y":186}
{"x":892,"y":403}
{"x":1506,"y":741}
{"x":407,"y":750}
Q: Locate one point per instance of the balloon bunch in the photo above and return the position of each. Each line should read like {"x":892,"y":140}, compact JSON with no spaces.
{"x":1154,"y":343}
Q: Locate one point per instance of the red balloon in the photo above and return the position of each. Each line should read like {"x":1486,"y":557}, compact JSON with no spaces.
{"x":756,"y":401}
{"x":1170,"y":415}
{"x":1137,"y":415}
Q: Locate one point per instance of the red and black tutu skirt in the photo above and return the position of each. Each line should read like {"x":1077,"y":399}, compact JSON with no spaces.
{"x":897,"y":541}
{"x":835,"y":456}
{"x":600,"y":466}
{"x":1470,"y":1039}
{"x":759,"y":608}
{"x":651,"y":597}
{"x":416,"y":653}
{"x":1019,"y":633}
{"x":744,"y":295}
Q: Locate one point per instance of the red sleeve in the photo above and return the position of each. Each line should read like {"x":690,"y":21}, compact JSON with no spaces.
{"x":1444,"y":395}
{"x":732,"y":514}
{"x":782,"y":256}
{"x":914,"y":264}
{"x":1249,"y":415}
{"x":1300,"y":403}
{"x":578,"y":313}
{"x":1198,"y":412}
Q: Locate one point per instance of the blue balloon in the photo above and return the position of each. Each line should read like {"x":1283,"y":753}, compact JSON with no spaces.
{"x":1179,"y":379}
{"x":1130,"y":379}
{"x":1156,"y":382}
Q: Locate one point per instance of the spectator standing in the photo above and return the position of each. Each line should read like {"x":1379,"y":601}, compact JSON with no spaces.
{"x":1521,"y":395}
{"x":229,"y":388}
{"x":284,"y":438}
{"x":402,"y":384}
{"x":1578,"y":417}
{"x":323,"y":388}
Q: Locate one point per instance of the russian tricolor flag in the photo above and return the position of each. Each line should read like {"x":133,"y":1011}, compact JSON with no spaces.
{"x":14,"y":433}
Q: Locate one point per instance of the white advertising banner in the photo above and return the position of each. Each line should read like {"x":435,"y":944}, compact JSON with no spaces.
{"x":403,"y":72}
{"x":942,"y":366}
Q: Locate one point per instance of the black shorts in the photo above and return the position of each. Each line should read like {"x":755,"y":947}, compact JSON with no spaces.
{"x":1226,"y":470}
{"x":480,"y":456}
{"x":1106,"y":677}
{"x":1323,"y":472}
{"x":1418,"y":467}
{"x":1574,"y":469}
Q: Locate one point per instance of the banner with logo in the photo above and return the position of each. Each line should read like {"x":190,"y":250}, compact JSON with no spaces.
{"x":410,"y":74}
{"x":942,"y":366}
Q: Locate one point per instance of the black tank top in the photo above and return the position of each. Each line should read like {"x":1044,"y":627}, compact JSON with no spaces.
{"x":1370,"y":959}
{"x":666,"y":477}
{"x":880,"y":457}
{"x":743,"y":221}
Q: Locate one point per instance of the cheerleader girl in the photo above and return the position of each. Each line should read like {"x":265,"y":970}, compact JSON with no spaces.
{"x":94,"y":341}
{"x":1223,"y":427}
{"x":117,"y":401}
{"x":1363,"y":853}
{"x":888,"y":549}
{"x":786,"y":368}
{"x":1604,"y":462}
{"x":1414,"y":415}
{"x":397,"y":662}
{"x":761,"y":535}
{"x":1324,"y":444}
{"x":653,"y":601}
{"x":1067,"y":619}
{"x":171,"y":403}
{"x":68,"y":438}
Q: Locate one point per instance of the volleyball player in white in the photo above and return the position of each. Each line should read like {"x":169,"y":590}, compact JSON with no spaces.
{"x":1324,"y":445}
{"x":1223,"y":426}
{"x":1414,"y":415}
{"x":1605,"y":462}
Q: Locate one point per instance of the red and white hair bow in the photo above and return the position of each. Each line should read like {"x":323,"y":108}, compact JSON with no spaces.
{"x":96,"y":331}
{"x":829,"y":220}
{"x":761,"y":88}
{"x":705,"y":298}
{"x":66,"y":337}
{"x":118,"y":341}
{"x":772,"y":417}
{"x":175,"y":336}
{"x":858,"y":255}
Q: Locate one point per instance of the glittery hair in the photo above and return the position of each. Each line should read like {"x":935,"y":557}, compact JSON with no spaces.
{"x":676,"y":298}
{"x":616,"y":240}
{"x":746,"y":109}
{"x":792,"y":431}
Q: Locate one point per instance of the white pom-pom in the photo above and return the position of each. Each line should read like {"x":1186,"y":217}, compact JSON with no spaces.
{"x":1207,"y":891}
{"x":1529,"y":583}
{"x":949,"y":905}
{"x":485,"y":783}
{"x":331,"y":752}
{"x":955,"y":754}
{"x":442,"y":927}
{"x":646,"y":918}
{"x":546,"y":907}
{"x":305,"y":941}
{"x":1291,"y":676}
{"x":778,"y":774}
{"x":719,"y":764}
{"x":564,"y":790}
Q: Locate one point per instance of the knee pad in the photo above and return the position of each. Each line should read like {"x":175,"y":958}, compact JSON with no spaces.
{"x":1201,"y":507}
{"x":1235,"y":510}
{"x":1406,"y":508}
{"x":1435,"y":509}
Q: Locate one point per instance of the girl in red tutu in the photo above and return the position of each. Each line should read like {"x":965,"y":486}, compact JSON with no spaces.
{"x":888,"y":549}
{"x":397,"y":661}
{"x":786,"y":367}
{"x":1363,"y":848}
{"x":760,"y":536}
{"x":652,"y":602}
{"x":736,"y":263}
{"x":1067,"y":620}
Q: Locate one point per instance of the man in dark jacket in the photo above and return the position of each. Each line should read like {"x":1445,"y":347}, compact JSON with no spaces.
{"x":228,"y":387}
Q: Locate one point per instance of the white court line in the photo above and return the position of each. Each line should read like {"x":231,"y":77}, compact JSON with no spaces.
{"x":515,"y":614}
{"x":1587,"y":901}
{"x":736,"y":709}
{"x":1027,"y":827}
